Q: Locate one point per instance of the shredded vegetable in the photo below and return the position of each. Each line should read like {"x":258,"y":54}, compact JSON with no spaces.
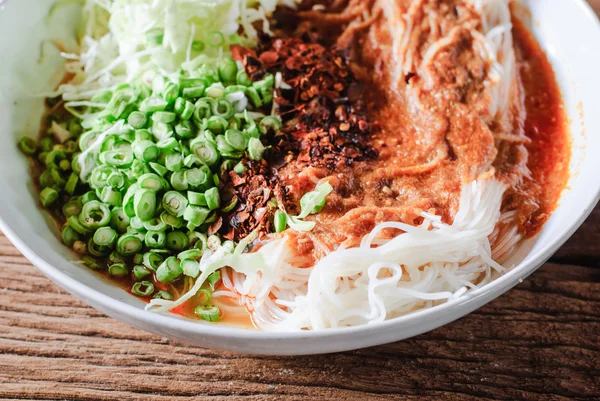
{"x":122,"y":41}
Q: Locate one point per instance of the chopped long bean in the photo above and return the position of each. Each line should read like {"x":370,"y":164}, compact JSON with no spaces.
{"x":143,"y":288}
{"x":209,"y":313}
{"x":169,"y":270}
{"x":139,"y":182}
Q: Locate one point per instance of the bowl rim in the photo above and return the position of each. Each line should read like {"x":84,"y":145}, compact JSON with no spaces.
{"x":131,"y":313}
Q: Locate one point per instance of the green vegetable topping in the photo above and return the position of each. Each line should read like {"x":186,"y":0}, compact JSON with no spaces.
{"x":208,"y":313}
{"x":143,"y":288}
{"x":169,"y":270}
{"x":139,"y":171}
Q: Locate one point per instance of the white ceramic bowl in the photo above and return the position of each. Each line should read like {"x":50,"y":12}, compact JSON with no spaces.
{"x":567,"y":30}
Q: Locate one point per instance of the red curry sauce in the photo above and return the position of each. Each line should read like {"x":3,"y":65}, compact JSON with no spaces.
{"x":546,"y":125}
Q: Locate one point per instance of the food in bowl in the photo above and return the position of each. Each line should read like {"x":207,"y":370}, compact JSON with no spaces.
{"x":303,"y":166}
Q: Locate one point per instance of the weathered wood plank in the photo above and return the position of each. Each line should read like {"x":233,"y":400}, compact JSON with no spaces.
{"x":539,"y":341}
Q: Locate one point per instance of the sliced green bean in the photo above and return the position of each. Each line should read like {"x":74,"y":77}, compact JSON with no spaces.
{"x":144,"y":204}
{"x":228,"y":70}
{"x":239,"y":168}
{"x":223,"y":108}
{"x":129,"y":245}
{"x":196,"y":177}
{"x":136,"y":226}
{"x":117,"y":158}
{"x":54,"y":157}
{"x":213,"y":242}
{"x":170,"y":92}
{"x":155,"y":224}
{"x":184,"y":130}
{"x":269,"y":124}
{"x":116,"y":180}
{"x":150,"y":181}
{"x":190,"y":254}
{"x":72,"y":207}
{"x":196,"y":198}
{"x":280,"y":221}
{"x":236,"y":139}
{"x":255,"y":149}
{"x":178,"y":181}
{"x":171,"y":221}
{"x":215,"y":38}
{"x":177,"y":241}
{"x":214,"y":278}
{"x":208,"y":313}
{"x":163,"y":295}
{"x":69,"y":235}
{"x":153,"y":104}
{"x":145,"y":150}
{"x":118,"y":270}
{"x":190,"y":268}
{"x":213,"y":199}
{"x":195,"y":215}
{"x":28,"y":146}
{"x":174,"y":203}
{"x":204,"y":297}
{"x":94,"y":215}
{"x":152,"y":260}
{"x":230,"y":206}
{"x":95,"y":249}
{"x":155,"y":239}
{"x":217,"y":124}
{"x":116,"y":257}
{"x":137,"y":120}
{"x":243,"y":79}
{"x":158,"y":169}
{"x":88,"y":197}
{"x":197,"y":240}
{"x":174,"y":162}
{"x":138,"y":259}
{"x":254,"y":96}
{"x":48,"y":196}
{"x":111,"y":196}
{"x":216,"y":90}
{"x":206,"y":152}
{"x":164,"y":117}
{"x":105,"y":236}
{"x":139,"y":272}
{"x":169,"y":270}
{"x":90,"y":262}
{"x":161,"y":130}
{"x":73,"y":221}
{"x":143,"y":288}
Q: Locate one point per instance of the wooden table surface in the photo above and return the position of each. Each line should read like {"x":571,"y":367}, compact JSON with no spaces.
{"x":540,"y":341}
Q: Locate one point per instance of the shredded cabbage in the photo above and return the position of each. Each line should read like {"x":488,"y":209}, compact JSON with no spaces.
{"x":114,"y":37}
{"x":312,"y":202}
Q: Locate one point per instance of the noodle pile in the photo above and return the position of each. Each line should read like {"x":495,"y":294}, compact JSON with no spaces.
{"x":425,"y":265}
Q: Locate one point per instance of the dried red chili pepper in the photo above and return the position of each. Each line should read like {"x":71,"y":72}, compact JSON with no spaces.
{"x":324,"y":125}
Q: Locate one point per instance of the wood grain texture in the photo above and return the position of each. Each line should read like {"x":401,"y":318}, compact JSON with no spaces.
{"x":540,"y":341}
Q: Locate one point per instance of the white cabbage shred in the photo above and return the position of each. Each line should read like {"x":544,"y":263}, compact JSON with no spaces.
{"x":115,"y":48}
